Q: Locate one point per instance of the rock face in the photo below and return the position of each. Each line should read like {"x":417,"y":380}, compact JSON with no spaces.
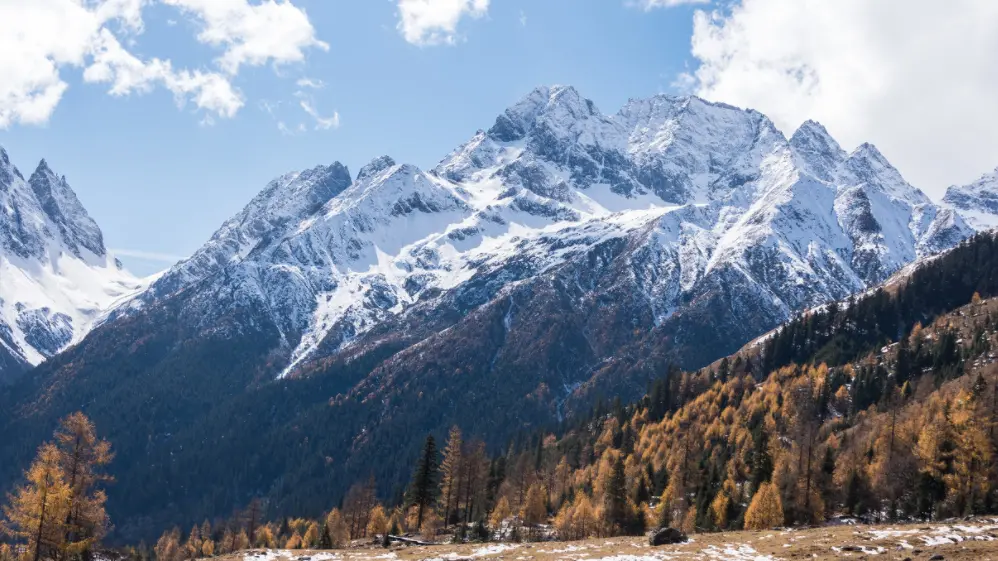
{"x":666,"y":536}
{"x":561,"y":255}
{"x":978,"y":202}
{"x":56,"y":277}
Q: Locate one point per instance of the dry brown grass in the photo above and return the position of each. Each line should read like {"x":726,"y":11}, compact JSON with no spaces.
{"x":962,"y":541}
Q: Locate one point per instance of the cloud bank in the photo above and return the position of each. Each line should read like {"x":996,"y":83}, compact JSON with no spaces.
{"x":89,"y":34}
{"x":916,"y":77}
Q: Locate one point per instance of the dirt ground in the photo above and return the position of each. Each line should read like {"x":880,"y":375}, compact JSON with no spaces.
{"x":964,"y":541}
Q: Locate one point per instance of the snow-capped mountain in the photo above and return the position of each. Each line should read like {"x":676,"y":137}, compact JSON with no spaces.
{"x":712,"y":195}
{"x":978,"y":202}
{"x":56,"y":277}
{"x":560,"y":255}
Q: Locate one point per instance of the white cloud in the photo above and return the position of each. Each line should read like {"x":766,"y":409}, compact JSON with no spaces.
{"x":434,"y":22}
{"x":916,"y":77}
{"x":252,"y":34}
{"x":127,"y":74}
{"x":652,"y":4}
{"x":321,"y":123}
{"x":53,"y":35}
{"x":147,"y":255}
{"x":310,"y":83}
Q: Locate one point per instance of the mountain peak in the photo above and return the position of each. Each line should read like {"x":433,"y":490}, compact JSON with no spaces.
{"x":810,"y":131}
{"x":63,"y":208}
{"x":62,"y":279}
{"x":978,"y":199}
{"x":375,"y":166}
{"x":870,"y":152}
{"x":560,"y":101}
{"x":817,"y":151}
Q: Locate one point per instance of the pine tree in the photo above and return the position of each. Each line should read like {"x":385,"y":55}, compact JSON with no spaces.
{"x":422,"y":492}
{"x":252,"y":516}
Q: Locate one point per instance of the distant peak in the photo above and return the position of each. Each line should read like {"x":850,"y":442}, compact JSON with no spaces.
{"x":870,"y":152}
{"x":337,"y":167}
{"x":376,"y":166}
{"x":41,"y":179}
{"x":521,"y":117}
{"x":812,"y":132}
{"x":811,"y":126}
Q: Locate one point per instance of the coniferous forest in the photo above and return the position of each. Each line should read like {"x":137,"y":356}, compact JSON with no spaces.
{"x":880,"y":408}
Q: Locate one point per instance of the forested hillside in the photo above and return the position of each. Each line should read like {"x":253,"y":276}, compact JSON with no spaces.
{"x":883,"y":407}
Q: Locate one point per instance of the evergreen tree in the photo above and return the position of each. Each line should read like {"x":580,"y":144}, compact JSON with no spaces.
{"x":423,"y":489}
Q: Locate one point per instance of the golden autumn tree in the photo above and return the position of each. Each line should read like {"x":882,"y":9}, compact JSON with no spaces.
{"x":82,"y":459}
{"x":450,"y":474}
{"x":294,"y":542}
{"x":264,"y":537}
{"x":37,"y":511}
{"x":339,"y":531}
{"x":766,"y":509}
{"x":311,"y":537}
{"x":967,"y":485}
{"x":719,"y":509}
{"x":168,"y":547}
{"x":534,"y":511}
{"x":501,"y":512}
{"x":193,"y":549}
{"x":377,"y":524}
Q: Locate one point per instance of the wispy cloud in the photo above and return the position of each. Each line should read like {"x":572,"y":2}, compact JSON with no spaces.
{"x":321,"y":123}
{"x":148,"y":255}
{"x":315,"y":84}
{"x":652,"y":4}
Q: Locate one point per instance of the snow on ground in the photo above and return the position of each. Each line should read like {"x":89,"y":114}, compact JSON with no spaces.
{"x":932,"y":535}
{"x":345,"y":555}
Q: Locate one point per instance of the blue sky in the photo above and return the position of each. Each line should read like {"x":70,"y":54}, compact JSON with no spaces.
{"x":160,"y":179}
